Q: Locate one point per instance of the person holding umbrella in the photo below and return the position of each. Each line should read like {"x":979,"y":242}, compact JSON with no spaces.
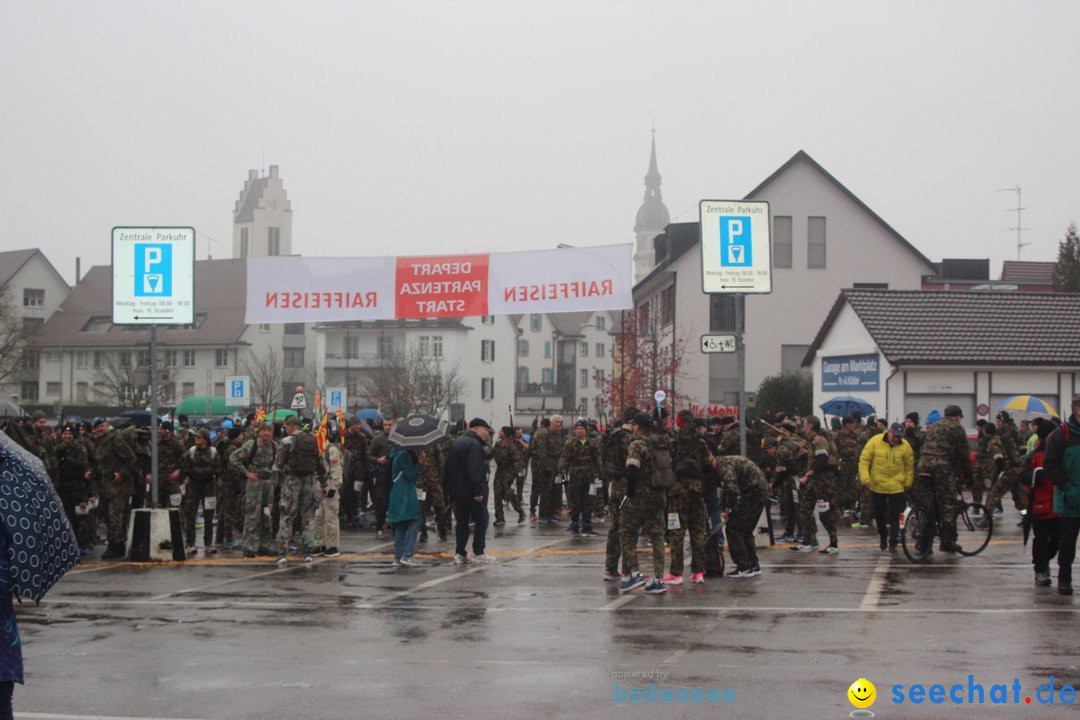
{"x":404,"y":506}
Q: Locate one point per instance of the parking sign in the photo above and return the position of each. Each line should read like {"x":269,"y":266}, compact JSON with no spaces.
{"x":153,"y":275}
{"x":237,"y":390}
{"x":735,"y":249}
{"x":335,"y":398}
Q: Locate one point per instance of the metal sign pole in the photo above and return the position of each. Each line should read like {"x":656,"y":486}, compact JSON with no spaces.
{"x":740,"y":352}
{"x":153,"y":417}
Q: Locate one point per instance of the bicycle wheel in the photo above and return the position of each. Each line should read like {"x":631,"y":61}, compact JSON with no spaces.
{"x":917,"y":525}
{"x":974,"y":526}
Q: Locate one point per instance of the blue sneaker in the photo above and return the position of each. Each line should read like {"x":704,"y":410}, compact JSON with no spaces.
{"x":84,"y":552}
{"x":798,"y":538}
{"x":656,"y":587}
{"x":634,"y":580}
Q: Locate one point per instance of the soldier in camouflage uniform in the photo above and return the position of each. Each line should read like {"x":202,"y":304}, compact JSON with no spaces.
{"x":255,"y":459}
{"x":580,"y":461}
{"x":686,"y":500}
{"x":327,"y":525}
{"x":73,"y":485}
{"x":430,"y":482}
{"x":508,"y":460}
{"x":944,"y":457}
{"x":792,"y":459}
{"x":296,"y":463}
{"x":356,"y":473}
{"x":743,"y":493}
{"x":1007,"y":479}
{"x":985,"y":469}
{"x":114,"y":459}
{"x":230,"y":487}
{"x":645,"y":504}
{"x":521,"y":447}
{"x":848,"y":449}
{"x":615,"y":453}
{"x":170,"y":459}
{"x":139,"y":441}
{"x":546,"y":448}
{"x":200,"y":469}
{"x":818,"y":485}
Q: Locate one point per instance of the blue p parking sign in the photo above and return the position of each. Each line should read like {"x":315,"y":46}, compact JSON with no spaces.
{"x":153,"y":270}
{"x":236,"y":389}
{"x":736,"y":246}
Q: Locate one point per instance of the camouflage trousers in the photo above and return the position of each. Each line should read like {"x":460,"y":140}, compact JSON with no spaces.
{"x":644,"y":510}
{"x":297,"y":505}
{"x":327,"y":524}
{"x":817,"y":488}
{"x":690,"y":507}
{"x":614,"y":542}
{"x":983,"y":480}
{"x":200,"y":490}
{"x":788,"y":509}
{"x":581,"y":502}
{"x":505,"y":492}
{"x":1006,"y":482}
{"x":258,"y":520}
{"x":230,"y":486}
{"x":435,"y":504}
{"x":741,"y":527}
{"x":550,"y":494}
{"x":938,"y":486}
{"x":116,"y":513}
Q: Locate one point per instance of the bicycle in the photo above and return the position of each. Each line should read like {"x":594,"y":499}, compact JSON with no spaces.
{"x":974,"y":527}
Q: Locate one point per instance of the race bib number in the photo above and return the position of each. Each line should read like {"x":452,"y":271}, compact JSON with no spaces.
{"x":987,"y":483}
{"x":210,"y":503}
{"x":822,"y":506}
{"x":595,"y":487}
{"x":356,"y":485}
{"x":673,"y":521}
{"x":175,"y":499}
{"x":795,"y":495}
{"x":421,"y":495}
{"x":82,"y":509}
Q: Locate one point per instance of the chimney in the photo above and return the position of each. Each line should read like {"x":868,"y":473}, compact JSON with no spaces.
{"x":78,"y":270}
{"x":273,"y":171}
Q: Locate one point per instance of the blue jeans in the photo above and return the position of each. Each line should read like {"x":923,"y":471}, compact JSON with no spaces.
{"x":466,"y":510}
{"x":405,"y":538}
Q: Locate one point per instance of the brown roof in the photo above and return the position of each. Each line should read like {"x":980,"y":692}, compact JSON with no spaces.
{"x":220,"y":294}
{"x":12,"y":261}
{"x":1025,"y":272}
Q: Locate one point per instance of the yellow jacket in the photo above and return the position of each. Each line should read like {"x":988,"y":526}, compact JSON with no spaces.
{"x":890,"y":469}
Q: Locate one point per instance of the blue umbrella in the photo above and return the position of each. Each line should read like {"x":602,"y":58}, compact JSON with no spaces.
{"x":41,"y":543}
{"x":371,"y":414}
{"x":843,"y":406}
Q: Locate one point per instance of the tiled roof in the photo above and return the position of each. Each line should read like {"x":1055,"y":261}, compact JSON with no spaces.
{"x":11,"y":262}
{"x":928,"y":327}
{"x":1024,"y":272}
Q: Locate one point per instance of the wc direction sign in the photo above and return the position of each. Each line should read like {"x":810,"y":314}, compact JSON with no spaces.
{"x":153,"y":275}
{"x":735,"y":246}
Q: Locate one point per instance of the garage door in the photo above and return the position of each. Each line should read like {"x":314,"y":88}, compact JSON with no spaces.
{"x":923,"y":404}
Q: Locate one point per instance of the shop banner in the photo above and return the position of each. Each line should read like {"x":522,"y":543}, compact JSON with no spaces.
{"x":295,"y":289}
{"x":849,"y":373}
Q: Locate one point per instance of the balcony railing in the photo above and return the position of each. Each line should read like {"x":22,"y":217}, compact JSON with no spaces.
{"x":356,"y":362}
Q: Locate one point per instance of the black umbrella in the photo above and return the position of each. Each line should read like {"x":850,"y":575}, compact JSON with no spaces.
{"x":418,"y":432}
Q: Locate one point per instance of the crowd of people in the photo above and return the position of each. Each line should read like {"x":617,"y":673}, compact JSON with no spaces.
{"x":272,"y":489}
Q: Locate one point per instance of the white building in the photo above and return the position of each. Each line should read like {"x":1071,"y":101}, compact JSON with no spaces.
{"x":35,"y":290}
{"x":262,"y":217}
{"x":823,"y":239}
{"x":917,"y":351}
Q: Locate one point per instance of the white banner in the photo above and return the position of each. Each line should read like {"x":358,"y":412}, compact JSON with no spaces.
{"x":294,"y":289}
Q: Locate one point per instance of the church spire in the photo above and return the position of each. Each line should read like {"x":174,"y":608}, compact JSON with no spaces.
{"x":652,"y":178}
{"x":652,"y":218}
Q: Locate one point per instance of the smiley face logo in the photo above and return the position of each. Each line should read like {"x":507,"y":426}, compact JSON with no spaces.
{"x":862,"y":693}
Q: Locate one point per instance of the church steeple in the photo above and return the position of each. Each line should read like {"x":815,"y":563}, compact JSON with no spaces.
{"x":652,"y":218}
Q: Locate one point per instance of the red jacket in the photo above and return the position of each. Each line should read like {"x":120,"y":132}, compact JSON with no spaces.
{"x":1041,"y":497}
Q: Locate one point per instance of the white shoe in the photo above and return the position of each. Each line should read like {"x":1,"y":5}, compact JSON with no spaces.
{"x":461,"y":560}
{"x":411,"y":562}
{"x":483,"y":558}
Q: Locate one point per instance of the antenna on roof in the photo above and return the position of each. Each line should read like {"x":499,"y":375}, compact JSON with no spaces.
{"x":1019,"y":211}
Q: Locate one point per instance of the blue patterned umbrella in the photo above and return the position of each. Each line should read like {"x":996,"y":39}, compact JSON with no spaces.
{"x":844,"y":404}
{"x":41,"y":543}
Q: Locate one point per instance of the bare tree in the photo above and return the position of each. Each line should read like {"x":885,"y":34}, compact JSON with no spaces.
{"x":125,"y":384}
{"x":14,"y":336}
{"x":648,"y":358}
{"x":410,"y":381}
{"x":267,"y":374}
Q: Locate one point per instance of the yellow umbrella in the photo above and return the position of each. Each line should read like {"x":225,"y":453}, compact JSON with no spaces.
{"x":1028,"y":404}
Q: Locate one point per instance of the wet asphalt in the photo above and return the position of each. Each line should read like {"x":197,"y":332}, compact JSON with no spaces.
{"x":539,"y":634}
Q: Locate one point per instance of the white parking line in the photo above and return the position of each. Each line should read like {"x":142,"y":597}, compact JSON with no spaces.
{"x":55,"y":716}
{"x":877,"y":583}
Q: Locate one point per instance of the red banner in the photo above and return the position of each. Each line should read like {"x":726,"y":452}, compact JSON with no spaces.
{"x":442,"y":286}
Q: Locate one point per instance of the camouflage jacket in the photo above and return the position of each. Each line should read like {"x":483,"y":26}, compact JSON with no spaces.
{"x":945,"y":445}
{"x":546,"y":449}
{"x":72,"y":462}
{"x":615,"y":445}
{"x":201,"y":462}
{"x":113,"y":455}
{"x":254,"y":456}
{"x":508,"y":459}
{"x":689,"y":452}
{"x":740,"y":478}
{"x":580,"y":459}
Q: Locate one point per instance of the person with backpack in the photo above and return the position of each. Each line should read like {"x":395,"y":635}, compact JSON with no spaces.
{"x":1062,"y":466}
{"x":200,"y":468}
{"x":817,"y":490}
{"x":255,"y":459}
{"x":331,"y":479}
{"x":295,"y":466}
{"x":686,"y":500}
{"x":615,"y":450}
{"x":649,"y":474}
{"x":743,"y":491}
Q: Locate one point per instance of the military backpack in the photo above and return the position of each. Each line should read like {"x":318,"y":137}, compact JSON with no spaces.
{"x":663,"y":471}
{"x":304,"y":454}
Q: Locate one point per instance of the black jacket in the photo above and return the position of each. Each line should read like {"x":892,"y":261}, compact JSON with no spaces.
{"x":465,"y":472}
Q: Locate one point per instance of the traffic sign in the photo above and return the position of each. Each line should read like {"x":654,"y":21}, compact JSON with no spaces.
{"x":299,"y":402}
{"x":735,"y":246}
{"x":660,"y":396}
{"x":153,"y":275}
{"x":237,"y":390}
{"x":335,"y":399}
{"x":717,"y":343}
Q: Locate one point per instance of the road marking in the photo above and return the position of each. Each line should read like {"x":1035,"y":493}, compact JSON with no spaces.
{"x":621,"y":601}
{"x":877,"y":583}
{"x":55,"y":716}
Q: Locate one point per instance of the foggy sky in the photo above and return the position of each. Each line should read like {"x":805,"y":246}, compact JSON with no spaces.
{"x":429,"y":127}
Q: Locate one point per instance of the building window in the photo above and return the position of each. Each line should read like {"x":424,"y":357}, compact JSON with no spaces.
{"x":273,"y":241}
{"x":487,"y":388}
{"x":221,"y":358}
{"x":722,"y":313}
{"x":487,"y":319}
{"x":294,"y":357}
{"x":600,"y":350}
{"x":351,"y":346}
{"x":436,"y":346}
{"x":243,"y":242}
{"x":386,"y":346}
{"x":601,"y":322}
{"x":82,"y":392}
{"x":82,"y":359}
{"x":264,"y":327}
{"x":425,"y":345}
{"x":219,"y":389}
{"x":584,"y":349}
{"x":33,"y":298}
{"x":31,"y":360}
{"x":53,"y":356}
{"x":188,"y":389}
{"x":487,"y":350}
{"x":32,"y":325}
{"x":536,"y":322}
{"x":815,"y":242}
{"x":99,"y":358}
{"x":523,"y":348}
{"x":124,"y":358}
{"x":667,"y":305}
{"x":29,"y":391}
{"x":547,"y":376}
{"x":168,"y":392}
{"x":189,"y":358}
{"x":142,"y":358}
{"x":53,"y":389}
{"x":598,"y":378}
{"x":294,"y":328}
{"x":781,"y":252}
{"x":584,"y":378}
{"x":547,"y":348}
{"x":170,"y":358}
{"x":523,"y":378}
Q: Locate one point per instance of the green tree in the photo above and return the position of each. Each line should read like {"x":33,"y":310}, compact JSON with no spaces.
{"x":792,"y":393}
{"x":1067,"y":271}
